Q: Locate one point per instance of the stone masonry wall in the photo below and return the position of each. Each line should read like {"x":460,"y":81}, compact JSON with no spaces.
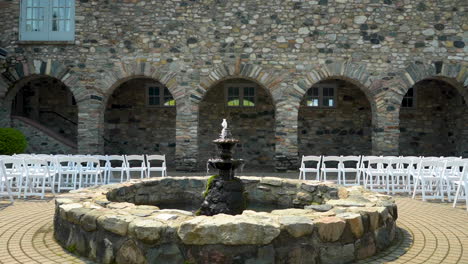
{"x":40,"y":142}
{"x":253,"y":126}
{"x":285,"y":46}
{"x":344,"y":130}
{"x":133,"y":127}
{"x":434,"y":126}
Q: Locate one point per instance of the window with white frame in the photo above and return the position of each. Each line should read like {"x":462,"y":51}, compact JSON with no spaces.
{"x":321,"y":95}
{"x":239,"y":94}
{"x":409,"y":100}
{"x":47,"y":20}
{"x":158,"y":95}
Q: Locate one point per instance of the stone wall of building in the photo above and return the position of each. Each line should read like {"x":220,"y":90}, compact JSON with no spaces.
{"x":40,"y":140}
{"x":285,"y":46}
{"x":435,"y":126}
{"x":134,"y":127}
{"x":253,"y":126}
{"x":341,"y":130}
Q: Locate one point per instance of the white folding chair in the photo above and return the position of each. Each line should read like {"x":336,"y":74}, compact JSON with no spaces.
{"x":351,"y":164}
{"x":89,"y":172}
{"x":104,"y":165}
{"x":400,"y":173}
{"x":136,"y":163}
{"x":67,"y":172}
{"x":330,"y":164}
{"x":10,"y":175}
{"x":462,"y":185}
{"x":429,"y":178}
{"x":303,"y":169}
{"x":156,"y":158}
{"x":377,"y":176}
{"x":118,"y":164}
{"x":453,"y":170}
{"x":37,"y":177}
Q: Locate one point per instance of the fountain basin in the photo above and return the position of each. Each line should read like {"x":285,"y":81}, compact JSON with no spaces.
{"x":121,"y":223}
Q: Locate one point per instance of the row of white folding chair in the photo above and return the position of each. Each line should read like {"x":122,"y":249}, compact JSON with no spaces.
{"x":30,"y":176}
{"x":135,"y":163}
{"x":341,"y":167}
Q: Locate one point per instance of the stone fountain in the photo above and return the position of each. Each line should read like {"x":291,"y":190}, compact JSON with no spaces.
{"x":225,"y":193}
{"x":320,"y":222}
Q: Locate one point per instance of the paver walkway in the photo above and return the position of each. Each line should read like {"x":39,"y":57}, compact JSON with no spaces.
{"x":430,"y":233}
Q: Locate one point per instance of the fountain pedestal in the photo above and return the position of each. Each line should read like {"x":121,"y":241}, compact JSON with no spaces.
{"x":225,"y":192}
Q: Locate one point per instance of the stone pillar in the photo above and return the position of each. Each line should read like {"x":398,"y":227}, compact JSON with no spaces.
{"x":385,"y":127}
{"x":186,"y":135}
{"x":286,"y":153}
{"x":91,"y":126}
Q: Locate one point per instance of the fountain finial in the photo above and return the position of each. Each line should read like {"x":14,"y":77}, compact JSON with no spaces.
{"x":225,"y":133}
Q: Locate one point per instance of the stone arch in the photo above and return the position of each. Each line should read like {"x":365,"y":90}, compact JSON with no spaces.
{"x":344,"y":129}
{"x":354,"y":73}
{"x":438,"y":103}
{"x":156,"y":125}
{"x":454,"y":74}
{"x":269,"y":80}
{"x":125,"y":71}
{"x":16,"y":75}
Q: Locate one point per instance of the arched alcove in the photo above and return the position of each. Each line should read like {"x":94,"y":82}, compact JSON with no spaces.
{"x":140,"y":118}
{"x":433,"y":116}
{"x":335,"y":118}
{"x":47,"y":101}
{"x":250,"y":112}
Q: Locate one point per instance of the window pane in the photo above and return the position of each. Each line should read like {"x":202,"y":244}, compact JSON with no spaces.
{"x":328,"y":92}
{"x":154,"y":100}
{"x":29,"y":3}
{"x":29,"y":13}
{"x":233,"y":91}
{"x":249,"y":91}
{"x":62,"y":2}
{"x":61,"y":25}
{"x":328,"y":102}
{"x":234,"y":102}
{"x":67,"y":25}
{"x":313,"y":102}
{"x":314,"y":91}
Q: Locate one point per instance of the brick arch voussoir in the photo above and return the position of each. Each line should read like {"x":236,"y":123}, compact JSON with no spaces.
{"x":356,"y":74}
{"x":125,"y":71}
{"x":13,"y":78}
{"x":269,"y":80}
{"x":454,"y":74}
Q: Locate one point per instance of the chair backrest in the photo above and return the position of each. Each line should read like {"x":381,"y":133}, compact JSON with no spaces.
{"x":161,"y":158}
{"x":88,"y":163}
{"x":35,"y":166}
{"x":13,"y":166}
{"x":311,"y":159}
{"x":116,"y":161}
{"x":379,"y":163}
{"x":432,"y":167}
{"x":351,"y":161}
{"x":135,"y":161}
{"x":331,"y":161}
{"x":103,"y":160}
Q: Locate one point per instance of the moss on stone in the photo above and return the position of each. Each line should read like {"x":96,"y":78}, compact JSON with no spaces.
{"x":71,"y":248}
{"x":209,"y":182}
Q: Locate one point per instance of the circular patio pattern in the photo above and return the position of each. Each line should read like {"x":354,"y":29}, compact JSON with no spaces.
{"x":429,"y":233}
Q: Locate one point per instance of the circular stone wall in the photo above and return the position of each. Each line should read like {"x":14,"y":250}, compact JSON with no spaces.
{"x":121,"y":223}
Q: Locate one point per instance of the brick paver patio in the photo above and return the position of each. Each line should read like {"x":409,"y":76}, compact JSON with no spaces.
{"x":429,"y":233}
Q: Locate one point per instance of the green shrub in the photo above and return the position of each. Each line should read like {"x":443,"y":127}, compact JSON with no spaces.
{"x":12,"y":141}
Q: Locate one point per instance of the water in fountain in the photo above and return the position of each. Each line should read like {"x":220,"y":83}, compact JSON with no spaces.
{"x":225,"y":193}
